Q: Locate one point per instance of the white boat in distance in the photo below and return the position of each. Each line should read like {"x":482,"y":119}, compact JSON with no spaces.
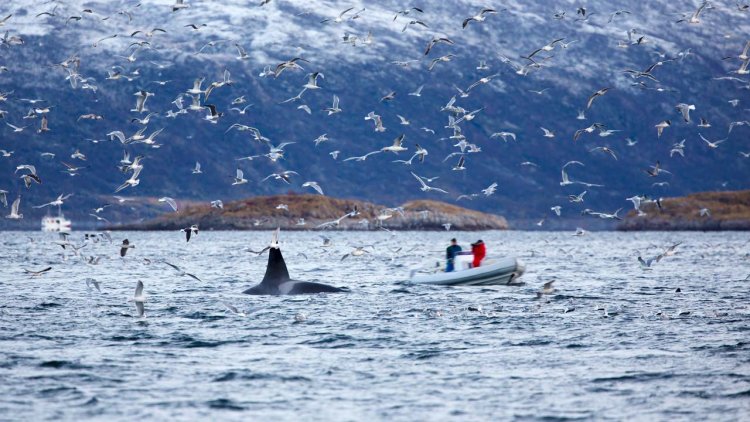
{"x":56,"y":223}
{"x":501,"y":271}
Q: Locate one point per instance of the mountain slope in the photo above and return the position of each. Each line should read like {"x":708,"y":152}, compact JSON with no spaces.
{"x":361,"y":74}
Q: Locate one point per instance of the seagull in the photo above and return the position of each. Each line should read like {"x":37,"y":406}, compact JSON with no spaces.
{"x":547,"y":133}
{"x":16,"y":129}
{"x":565,"y":180}
{"x":59,"y":201}
{"x":647,"y":263}
{"x":217,"y":204}
{"x":685,"y":110}
{"x":704,"y":212}
{"x":283,"y":176}
{"x":358,"y":251}
{"x":91,"y":282}
{"x":339,"y":18}
{"x":504,"y":135}
{"x":425,"y":187}
{"x":596,"y":95}
{"x":312,"y":81}
{"x":418,"y":92}
{"x":377,"y":120}
{"x":604,"y":149}
{"x":694,"y":17}
{"x":138,"y":297}
{"x":479,"y":17}
{"x":32,"y":273}
{"x":239,"y":178}
{"x":189,"y":231}
{"x":171,"y":202}
{"x":124,"y":247}
{"x":577,"y":198}
{"x":242,"y":52}
{"x":140,"y":102}
{"x":655,"y":170}
{"x":557,"y":210}
{"x":313,"y":185}
{"x":661,"y":126}
{"x":334,"y":108}
{"x":712,"y":145}
{"x":197,"y":169}
{"x":362,"y":157}
{"x":243,"y":110}
{"x":14,"y":215}
{"x":182,"y":273}
{"x":5,"y":153}
{"x":460,"y":165}
{"x":403,"y":119}
{"x":396,"y":147}
{"x":489,"y":190}
{"x":388,"y":97}
{"x":704,"y":123}
{"x":445,"y":58}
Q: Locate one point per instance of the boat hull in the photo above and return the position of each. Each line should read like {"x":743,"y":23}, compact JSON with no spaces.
{"x":501,"y":272}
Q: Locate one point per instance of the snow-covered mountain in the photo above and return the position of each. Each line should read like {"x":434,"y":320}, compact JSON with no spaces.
{"x":363,"y":55}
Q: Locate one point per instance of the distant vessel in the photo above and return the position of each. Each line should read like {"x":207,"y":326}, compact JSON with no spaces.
{"x":56,"y":223}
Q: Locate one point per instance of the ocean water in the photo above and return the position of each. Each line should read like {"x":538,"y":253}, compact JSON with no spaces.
{"x":613,"y":342}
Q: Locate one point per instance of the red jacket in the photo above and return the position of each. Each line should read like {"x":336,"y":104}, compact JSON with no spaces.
{"x":479,"y":251}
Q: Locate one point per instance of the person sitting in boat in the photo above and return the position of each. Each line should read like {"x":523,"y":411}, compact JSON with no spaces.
{"x":479,"y":251}
{"x":450,"y":255}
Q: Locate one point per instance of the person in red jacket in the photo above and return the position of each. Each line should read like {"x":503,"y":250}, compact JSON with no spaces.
{"x":479,"y":251}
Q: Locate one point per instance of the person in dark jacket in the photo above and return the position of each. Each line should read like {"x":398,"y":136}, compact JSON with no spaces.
{"x":479,"y":251}
{"x":450,"y":254}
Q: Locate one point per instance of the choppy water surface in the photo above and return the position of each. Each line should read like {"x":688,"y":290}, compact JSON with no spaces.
{"x":613,"y":342}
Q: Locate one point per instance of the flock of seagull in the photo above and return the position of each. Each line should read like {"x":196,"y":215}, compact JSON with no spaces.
{"x":197,"y":100}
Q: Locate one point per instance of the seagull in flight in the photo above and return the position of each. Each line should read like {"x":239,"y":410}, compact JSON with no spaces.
{"x":425,"y":187}
{"x":138,"y":299}
{"x":712,"y":145}
{"x":182,"y":272}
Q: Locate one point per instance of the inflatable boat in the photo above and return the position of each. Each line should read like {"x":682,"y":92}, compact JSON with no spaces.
{"x":500,"y":271}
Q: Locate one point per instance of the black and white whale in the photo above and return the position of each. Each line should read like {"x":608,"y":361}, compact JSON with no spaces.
{"x":277,"y":280}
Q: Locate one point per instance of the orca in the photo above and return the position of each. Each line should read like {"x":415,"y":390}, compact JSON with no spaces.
{"x":277,"y":282}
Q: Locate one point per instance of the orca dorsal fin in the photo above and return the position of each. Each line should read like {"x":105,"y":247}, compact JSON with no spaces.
{"x":276,"y":272}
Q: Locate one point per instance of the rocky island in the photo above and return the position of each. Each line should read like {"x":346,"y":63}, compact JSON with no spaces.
{"x":307,"y":212}
{"x":704,"y":211}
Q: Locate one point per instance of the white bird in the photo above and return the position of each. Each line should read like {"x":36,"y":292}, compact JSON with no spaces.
{"x":479,"y":17}
{"x":140,"y":102}
{"x":312,"y":81}
{"x":14,"y":214}
{"x":139,"y":298}
{"x":504,"y":135}
{"x":418,"y":92}
{"x":489,"y":190}
{"x":557,"y":210}
{"x":396,"y":147}
{"x":565,"y":180}
{"x":712,"y":145}
{"x":685,"y":110}
{"x":694,"y":17}
{"x":334,"y":108}
{"x":182,"y":272}
{"x":313,"y":185}
{"x":217,"y":204}
{"x":239,"y":178}
{"x":425,"y":187}
{"x":197,"y":169}
{"x":547,"y":133}
{"x":171,"y":202}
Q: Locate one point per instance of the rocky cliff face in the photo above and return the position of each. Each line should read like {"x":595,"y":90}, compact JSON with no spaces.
{"x":305,"y":212}
{"x":701,"y":211}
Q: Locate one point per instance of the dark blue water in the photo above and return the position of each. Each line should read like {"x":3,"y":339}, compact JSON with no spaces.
{"x":612,"y":342}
